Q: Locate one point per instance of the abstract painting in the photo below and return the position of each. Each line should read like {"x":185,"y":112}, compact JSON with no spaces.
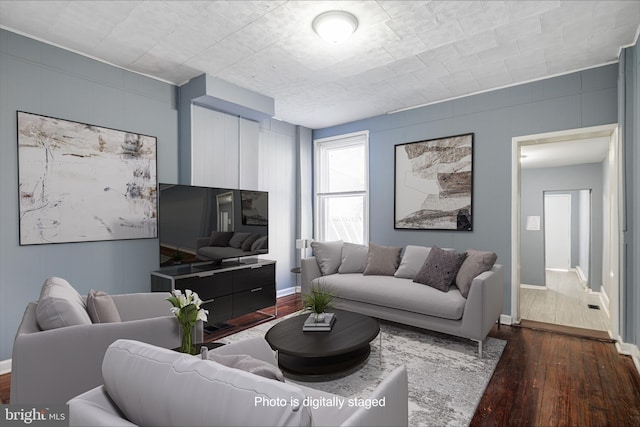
{"x":434,"y":184}
{"x":80,"y":182}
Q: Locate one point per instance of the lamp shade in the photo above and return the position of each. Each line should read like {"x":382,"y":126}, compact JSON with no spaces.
{"x":335,"y":26}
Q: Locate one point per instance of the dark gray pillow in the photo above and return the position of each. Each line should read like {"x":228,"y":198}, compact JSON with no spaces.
{"x":382,"y":260}
{"x":249,"y":241}
{"x":354,"y":258}
{"x":101,"y":308}
{"x":440,"y":269}
{"x":238,"y":239}
{"x":475,"y":263}
{"x":328,"y":256}
{"x":220,"y":238}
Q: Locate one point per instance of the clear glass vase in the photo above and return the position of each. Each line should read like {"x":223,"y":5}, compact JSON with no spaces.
{"x":186,"y":338}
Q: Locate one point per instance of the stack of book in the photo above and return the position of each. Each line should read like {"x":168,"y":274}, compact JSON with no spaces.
{"x":322,"y":325}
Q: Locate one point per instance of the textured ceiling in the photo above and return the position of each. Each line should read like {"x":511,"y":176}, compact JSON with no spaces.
{"x":404,"y":53}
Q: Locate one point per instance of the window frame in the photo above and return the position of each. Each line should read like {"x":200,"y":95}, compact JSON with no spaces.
{"x":319,"y":147}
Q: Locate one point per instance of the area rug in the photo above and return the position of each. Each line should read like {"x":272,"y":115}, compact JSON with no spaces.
{"x":446,"y":377}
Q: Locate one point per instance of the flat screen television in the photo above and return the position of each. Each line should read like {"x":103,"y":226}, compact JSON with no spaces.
{"x":202,"y":225}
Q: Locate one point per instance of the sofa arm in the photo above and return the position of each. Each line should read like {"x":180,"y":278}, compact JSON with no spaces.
{"x":55,"y":365}
{"x":395,"y":412}
{"x":202,"y":242}
{"x":142,"y":305}
{"x":484,"y":303}
{"x":95,"y":408}
{"x":310,"y":271}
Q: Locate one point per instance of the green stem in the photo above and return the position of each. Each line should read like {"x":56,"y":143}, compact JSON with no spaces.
{"x":186,"y":337}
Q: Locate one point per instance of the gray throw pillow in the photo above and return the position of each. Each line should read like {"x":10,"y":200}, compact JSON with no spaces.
{"x":412,"y":261}
{"x":328,"y":256}
{"x":238,"y":239}
{"x":354,"y":258}
{"x":220,"y":238}
{"x":440,"y":269}
{"x":382,"y":260}
{"x":60,"y":305}
{"x":101,"y":308}
{"x":248,"y":364}
{"x":476,"y":262}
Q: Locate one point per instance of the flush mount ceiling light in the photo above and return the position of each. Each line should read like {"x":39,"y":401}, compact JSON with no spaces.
{"x":335,"y":26}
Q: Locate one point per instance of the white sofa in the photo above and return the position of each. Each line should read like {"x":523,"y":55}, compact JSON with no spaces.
{"x":148,"y":385}
{"x":397,"y":298}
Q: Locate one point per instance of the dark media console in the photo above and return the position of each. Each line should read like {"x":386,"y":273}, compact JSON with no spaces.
{"x":229,"y":290}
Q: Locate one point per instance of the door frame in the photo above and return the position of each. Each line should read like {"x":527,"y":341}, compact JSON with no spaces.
{"x":610,"y":131}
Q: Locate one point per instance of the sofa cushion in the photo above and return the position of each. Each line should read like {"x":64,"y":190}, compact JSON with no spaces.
{"x":382,"y":260}
{"x":412,"y":261}
{"x":60,"y":305}
{"x":159,"y":387}
{"x":328,"y":255}
{"x":101,"y":307}
{"x":354,"y":258}
{"x":475,"y":263}
{"x":220,"y":238}
{"x":393,"y":292}
{"x":238,"y":239}
{"x":440,"y":269}
{"x":249,"y":364}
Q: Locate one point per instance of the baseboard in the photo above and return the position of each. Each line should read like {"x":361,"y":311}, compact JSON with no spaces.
{"x":536,"y":287}
{"x":286,"y":291}
{"x":505,"y":319}
{"x":582,"y":278}
{"x":5,"y":366}
{"x":629,"y":350}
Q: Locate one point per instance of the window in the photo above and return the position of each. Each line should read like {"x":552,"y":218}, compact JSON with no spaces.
{"x":342,"y":188}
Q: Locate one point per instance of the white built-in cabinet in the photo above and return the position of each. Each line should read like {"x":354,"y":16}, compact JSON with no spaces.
{"x":224,"y":150}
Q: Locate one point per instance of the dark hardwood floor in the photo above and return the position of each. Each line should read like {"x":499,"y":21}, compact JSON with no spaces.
{"x":544,"y":378}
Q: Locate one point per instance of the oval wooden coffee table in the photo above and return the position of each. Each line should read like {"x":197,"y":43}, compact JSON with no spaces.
{"x":316,"y":355}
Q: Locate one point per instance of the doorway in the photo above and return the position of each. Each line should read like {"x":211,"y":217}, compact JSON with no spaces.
{"x":557,"y":231}
{"x":605,"y":262}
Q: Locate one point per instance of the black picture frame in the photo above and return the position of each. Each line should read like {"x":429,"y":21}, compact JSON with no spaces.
{"x":434,"y":184}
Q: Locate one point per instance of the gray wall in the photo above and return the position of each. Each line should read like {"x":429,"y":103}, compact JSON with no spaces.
{"x":629,"y":116}
{"x":534,"y":182}
{"x":582,"y":99}
{"x":43,"y":79}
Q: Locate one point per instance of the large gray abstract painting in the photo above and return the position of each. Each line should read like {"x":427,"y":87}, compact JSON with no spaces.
{"x":434,"y":184}
{"x":80,"y":183}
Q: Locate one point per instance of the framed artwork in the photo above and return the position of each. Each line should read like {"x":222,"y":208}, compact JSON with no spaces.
{"x":80,"y":182}
{"x":434,"y":184}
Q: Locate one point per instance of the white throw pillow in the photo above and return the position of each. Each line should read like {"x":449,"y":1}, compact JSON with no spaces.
{"x":60,"y":305}
{"x":412,"y":261}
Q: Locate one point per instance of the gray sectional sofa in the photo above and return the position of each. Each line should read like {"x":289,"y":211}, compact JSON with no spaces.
{"x":382,"y":285}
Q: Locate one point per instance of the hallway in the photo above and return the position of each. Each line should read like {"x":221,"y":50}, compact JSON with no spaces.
{"x":563,"y":302}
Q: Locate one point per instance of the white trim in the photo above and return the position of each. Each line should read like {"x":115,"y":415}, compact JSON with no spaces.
{"x":604,"y":301}
{"x":629,"y":350}
{"x":516,"y":143}
{"x":505,"y":319}
{"x":5,"y":366}
{"x":535,"y":287}
{"x":581,"y":276}
{"x":286,"y":291}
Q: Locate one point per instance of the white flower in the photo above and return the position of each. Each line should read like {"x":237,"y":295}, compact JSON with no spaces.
{"x":202,"y":315}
